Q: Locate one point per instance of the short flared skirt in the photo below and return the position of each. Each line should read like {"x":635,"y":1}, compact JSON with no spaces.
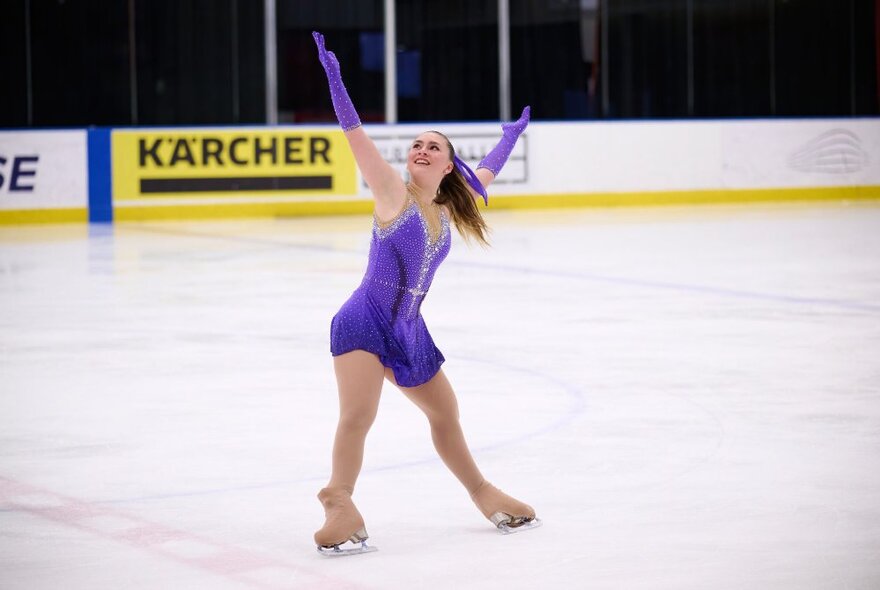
{"x":403,"y":345}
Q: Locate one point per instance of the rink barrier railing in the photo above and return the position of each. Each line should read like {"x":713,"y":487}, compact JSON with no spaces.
{"x":557,"y":201}
{"x":316,"y":208}
{"x":582,"y":200}
{"x":104,"y":174}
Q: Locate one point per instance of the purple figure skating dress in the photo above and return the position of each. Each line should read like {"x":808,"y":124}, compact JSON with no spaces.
{"x":383,"y":315}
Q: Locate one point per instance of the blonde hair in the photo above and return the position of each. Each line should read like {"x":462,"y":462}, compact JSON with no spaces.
{"x":455,"y":193}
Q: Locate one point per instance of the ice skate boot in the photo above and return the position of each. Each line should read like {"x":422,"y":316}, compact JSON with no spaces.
{"x":506,"y":513}
{"x":343,"y":523}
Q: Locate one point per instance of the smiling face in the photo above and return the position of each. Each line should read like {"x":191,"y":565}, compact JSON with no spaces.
{"x":429,"y":158}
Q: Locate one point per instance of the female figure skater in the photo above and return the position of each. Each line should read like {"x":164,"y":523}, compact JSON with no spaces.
{"x":379,"y":332}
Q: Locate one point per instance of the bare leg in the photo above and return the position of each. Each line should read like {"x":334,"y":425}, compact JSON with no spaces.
{"x":359,"y":380}
{"x":437,"y":400}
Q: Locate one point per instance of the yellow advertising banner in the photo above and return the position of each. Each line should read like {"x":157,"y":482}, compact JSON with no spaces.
{"x":231,"y":162}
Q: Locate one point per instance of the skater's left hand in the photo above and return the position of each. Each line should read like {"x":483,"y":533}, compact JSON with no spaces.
{"x":497,"y":157}
{"x":515,"y":128}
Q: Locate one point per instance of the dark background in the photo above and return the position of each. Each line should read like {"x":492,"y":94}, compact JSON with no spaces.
{"x":182,"y":62}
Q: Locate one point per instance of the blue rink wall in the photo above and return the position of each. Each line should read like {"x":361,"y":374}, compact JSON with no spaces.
{"x":131,"y":174}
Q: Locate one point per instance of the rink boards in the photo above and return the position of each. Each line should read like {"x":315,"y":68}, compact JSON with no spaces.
{"x":103,"y":174}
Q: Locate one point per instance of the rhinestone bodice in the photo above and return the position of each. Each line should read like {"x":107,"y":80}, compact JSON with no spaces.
{"x":403,"y":259}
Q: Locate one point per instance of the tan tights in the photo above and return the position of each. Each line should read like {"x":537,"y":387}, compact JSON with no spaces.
{"x":359,"y":377}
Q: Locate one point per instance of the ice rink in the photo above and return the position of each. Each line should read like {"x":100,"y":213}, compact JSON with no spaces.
{"x":689,"y":397}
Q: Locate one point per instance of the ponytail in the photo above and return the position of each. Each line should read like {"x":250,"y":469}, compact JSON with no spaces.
{"x":455,"y":193}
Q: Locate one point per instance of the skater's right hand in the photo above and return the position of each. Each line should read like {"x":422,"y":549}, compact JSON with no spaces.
{"x":342,"y":105}
{"x":327,"y":58}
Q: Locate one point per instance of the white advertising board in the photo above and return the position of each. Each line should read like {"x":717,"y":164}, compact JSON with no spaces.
{"x":803,"y":153}
{"x":43,"y":170}
{"x":630,"y":156}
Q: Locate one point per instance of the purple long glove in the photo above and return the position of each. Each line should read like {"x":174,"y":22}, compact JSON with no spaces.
{"x":345,"y":112}
{"x":496,"y":158}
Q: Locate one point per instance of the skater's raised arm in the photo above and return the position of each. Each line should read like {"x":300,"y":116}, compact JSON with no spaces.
{"x":384,"y":181}
{"x":491,"y":165}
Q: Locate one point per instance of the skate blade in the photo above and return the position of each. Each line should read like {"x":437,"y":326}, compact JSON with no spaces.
{"x":337,"y":551}
{"x":518,"y":525}
{"x":344,"y":549}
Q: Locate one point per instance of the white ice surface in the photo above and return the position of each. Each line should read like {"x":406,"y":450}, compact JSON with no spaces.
{"x":689,"y":397}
